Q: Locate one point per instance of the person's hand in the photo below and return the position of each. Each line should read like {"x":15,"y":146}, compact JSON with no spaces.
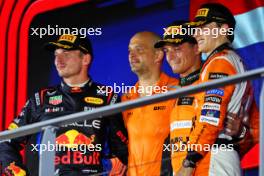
{"x":13,"y":170}
{"x":233,"y":124}
{"x":185,"y":171}
{"x":236,"y":123}
{"x":118,"y":168}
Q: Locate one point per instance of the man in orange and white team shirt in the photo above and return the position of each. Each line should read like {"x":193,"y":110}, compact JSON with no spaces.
{"x":147,"y":126}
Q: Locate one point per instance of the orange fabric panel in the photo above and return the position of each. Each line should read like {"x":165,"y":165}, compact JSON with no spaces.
{"x":147,"y":127}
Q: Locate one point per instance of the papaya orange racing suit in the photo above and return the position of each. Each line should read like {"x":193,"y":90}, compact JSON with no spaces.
{"x":181,"y":121}
{"x":147,"y":127}
{"x":213,"y":105}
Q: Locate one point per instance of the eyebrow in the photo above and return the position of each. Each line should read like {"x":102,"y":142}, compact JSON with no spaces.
{"x":63,"y":51}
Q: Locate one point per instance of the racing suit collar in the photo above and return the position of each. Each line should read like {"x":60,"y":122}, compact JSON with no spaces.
{"x":219,"y":49}
{"x":65,"y":87}
{"x":189,"y":79}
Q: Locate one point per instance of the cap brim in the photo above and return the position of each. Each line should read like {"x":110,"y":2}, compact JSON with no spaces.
{"x":51,"y":46}
{"x":175,"y":41}
{"x":194,"y":24}
{"x":160,"y":44}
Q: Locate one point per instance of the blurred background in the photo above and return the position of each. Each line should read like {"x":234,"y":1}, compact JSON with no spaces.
{"x":26,"y":66}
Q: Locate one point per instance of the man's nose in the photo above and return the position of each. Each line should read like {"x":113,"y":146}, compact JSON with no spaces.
{"x":170,"y":55}
{"x":58,"y":58}
{"x":131,"y":54}
{"x":196,"y":33}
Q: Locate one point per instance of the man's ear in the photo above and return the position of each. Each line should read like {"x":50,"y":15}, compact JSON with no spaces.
{"x":87,"y":58}
{"x":224,"y":26}
{"x":226,"y":29}
{"x":158,"y":56}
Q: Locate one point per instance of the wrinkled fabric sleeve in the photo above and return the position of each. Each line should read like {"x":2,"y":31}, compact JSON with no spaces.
{"x":10,"y":150}
{"x":212,"y":108}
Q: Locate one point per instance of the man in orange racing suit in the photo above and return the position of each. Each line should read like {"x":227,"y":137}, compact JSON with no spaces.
{"x":147,"y":126}
{"x":213,"y":105}
{"x":184,"y":58}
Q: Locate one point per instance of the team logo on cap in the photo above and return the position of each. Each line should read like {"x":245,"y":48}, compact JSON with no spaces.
{"x":173,"y":30}
{"x":68,"y":38}
{"x":203,"y":12}
{"x":174,"y":40}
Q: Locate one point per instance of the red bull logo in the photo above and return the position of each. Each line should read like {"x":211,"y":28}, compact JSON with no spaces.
{"x":73,"y":138}
{"x":82,"y":150}
{"x":78,"y":158}
{"x":16,"y":171}
{"x":76,"y":90}
{"x":12,"y":126}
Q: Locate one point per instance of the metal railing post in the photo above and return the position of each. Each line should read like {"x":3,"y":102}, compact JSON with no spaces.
{"x":261,"y":107}
{"x":47,"y":152}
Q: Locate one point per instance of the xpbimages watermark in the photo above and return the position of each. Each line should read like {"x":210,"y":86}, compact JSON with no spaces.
{"x":147,"y":90}
{"x":183,"y":147}
{"x":191,"y":31}
{"x":82,"y":148}
{"x":56,"y":30}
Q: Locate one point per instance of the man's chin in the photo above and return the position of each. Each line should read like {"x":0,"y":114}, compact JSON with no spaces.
{"x":201,"y":48}
{"x":60,"y":74}
{"x":175,"y":69}
{"x":134,"y":70}
{"x":63,"y":75}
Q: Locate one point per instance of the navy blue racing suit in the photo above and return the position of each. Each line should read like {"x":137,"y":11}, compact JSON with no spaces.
{"x":92,"y":135}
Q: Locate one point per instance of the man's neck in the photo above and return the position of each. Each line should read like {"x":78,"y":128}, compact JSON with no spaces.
{"x":195,"y":67}
{"x":217,"y":44}
{"x":149,"y":79}
{"x":76,"y":82}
